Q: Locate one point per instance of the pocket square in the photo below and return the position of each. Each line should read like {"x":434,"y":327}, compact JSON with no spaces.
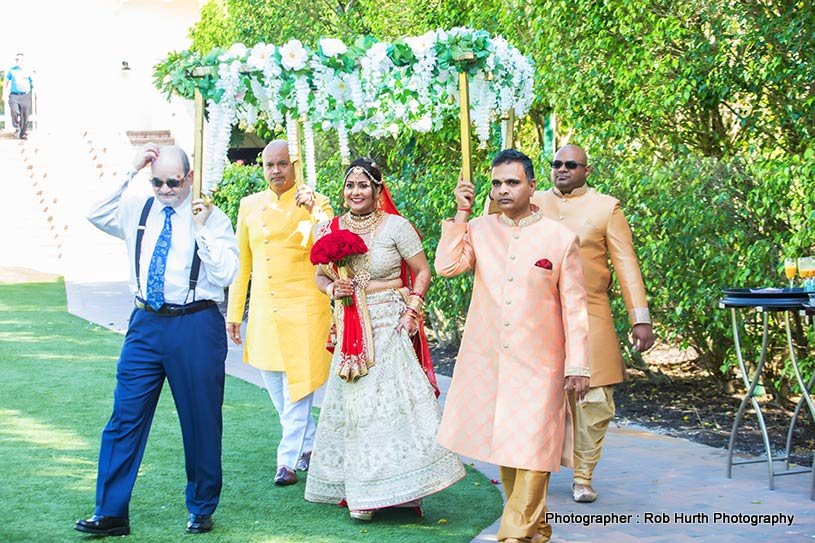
{"x":544,"y":263}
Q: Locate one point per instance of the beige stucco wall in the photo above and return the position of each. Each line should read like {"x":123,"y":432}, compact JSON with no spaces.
{"x":77,"y":48}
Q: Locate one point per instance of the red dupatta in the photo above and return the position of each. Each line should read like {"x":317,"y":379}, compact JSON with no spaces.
{"x":420,"y":339}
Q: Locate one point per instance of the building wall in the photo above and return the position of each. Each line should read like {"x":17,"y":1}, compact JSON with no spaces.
{"x":77,"y":48}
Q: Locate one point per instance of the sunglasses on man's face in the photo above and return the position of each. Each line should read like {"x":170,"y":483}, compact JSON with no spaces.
{"x":570,"y":164}
{"x":171,"y":183}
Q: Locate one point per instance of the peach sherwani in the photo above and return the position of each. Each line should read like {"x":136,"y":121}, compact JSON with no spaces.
{"x":526,"y":329}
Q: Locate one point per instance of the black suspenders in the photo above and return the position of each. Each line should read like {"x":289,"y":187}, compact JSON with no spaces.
{"x":196,"y":260}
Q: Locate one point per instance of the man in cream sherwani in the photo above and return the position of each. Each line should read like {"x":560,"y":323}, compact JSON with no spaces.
{"x":525,"y":342}
{"x":604,"y":234}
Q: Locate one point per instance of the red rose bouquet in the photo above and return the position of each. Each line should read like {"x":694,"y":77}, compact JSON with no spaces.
{"x":335,"y":248}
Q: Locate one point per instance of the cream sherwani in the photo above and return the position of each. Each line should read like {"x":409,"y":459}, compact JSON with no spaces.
{"x":526,"y":329}
{"x":604,"y":234}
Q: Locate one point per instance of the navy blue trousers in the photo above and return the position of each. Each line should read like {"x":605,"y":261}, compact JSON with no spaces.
{"x":189,"y":350}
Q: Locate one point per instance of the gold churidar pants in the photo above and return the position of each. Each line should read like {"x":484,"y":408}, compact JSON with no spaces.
{"x":591,"y":419}
{"x":526,"y":504}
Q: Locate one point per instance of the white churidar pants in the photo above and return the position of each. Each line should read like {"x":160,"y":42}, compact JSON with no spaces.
{"x":295,"y":418}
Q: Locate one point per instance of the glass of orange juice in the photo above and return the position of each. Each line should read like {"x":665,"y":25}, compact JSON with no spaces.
{"x":807,"y":272}
{"x":790,"y":269}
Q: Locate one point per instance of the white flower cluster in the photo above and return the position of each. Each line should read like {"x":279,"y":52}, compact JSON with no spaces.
{"x":378,"y":89}
{"x":222,"y":116}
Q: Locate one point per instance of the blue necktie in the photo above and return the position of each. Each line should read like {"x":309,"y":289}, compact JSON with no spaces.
{"x":158,"y":263}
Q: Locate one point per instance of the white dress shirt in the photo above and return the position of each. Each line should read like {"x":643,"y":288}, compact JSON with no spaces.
{"x":118,"y":215}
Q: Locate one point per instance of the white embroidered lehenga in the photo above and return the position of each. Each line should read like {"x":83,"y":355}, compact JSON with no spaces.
{"x":376,"y":438}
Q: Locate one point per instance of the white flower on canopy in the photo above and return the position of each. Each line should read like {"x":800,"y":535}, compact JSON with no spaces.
{"x":377,"y":53}
{"x":332,"y":47}
{"x":237,"y":51}
{"x":339,"y":89}
{"x":293,"y":56}
{"x":420,"y":45}
{"x":399,"y":110}
{"x":261,"y":53}
{"x":425,"y":124}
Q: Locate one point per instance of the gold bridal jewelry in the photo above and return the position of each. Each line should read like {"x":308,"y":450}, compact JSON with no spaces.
{"x":365,"y":224}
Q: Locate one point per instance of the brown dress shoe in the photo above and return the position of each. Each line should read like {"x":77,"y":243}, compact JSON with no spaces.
{"x":285,"y":476}
{"x":304,"y":461}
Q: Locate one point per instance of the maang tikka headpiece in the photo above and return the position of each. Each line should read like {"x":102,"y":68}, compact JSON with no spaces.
{"x":362,"y":170}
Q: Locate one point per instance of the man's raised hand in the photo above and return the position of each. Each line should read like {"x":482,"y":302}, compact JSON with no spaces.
{"x":144,"y":156}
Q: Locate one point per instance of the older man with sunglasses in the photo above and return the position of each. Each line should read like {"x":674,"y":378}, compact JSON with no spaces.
{"x":604,"y":233}
{"x":183,"y":253}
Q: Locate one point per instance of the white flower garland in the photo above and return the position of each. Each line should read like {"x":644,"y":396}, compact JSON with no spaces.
{"x":375,"y":96}
{"x":308,"y":144}
{"x":342,"y":137}
{"x":292,"y":137}
{"x":222,"y":117}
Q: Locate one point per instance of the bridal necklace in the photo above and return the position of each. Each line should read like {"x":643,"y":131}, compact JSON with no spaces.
{"x":364,"y":224}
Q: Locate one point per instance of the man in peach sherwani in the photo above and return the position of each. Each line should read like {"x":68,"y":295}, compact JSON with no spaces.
{"x":525,"y":342}
{"x":604,"y":235}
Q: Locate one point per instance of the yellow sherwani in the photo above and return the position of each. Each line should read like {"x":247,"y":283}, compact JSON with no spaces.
{"x":289,"y":318}
{"x":603,"y":231}
{"x":526,"y":329}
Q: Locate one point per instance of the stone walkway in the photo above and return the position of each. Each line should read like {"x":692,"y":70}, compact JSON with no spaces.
{"x":652,"y":488}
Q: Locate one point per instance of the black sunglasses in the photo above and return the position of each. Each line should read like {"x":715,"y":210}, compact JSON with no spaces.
{"x":171,"y":183}
{"x":570,"y":164}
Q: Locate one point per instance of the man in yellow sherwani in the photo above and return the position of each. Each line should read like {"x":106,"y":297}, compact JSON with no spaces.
{"x":289,"y":318}
{"x":524,"y":344}
{"x":604,"y":233}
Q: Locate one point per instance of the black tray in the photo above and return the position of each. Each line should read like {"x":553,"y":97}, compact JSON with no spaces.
{"x":778,"y":304}
{"x":785,"y":293}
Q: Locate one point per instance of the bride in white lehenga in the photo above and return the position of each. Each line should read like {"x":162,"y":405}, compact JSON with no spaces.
{"x":376,"y":439}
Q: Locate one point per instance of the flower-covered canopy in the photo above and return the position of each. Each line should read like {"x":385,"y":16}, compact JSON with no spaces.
{"x":374,"y":87}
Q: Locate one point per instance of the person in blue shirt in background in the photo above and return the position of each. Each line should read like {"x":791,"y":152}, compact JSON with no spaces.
{"x":18,"y":87}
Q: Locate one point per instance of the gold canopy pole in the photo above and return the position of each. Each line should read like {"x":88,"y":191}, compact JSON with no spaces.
{"x":464,"y":118}
{"x":198,"y":147}
{"x":509,"y":143}
{"x":297,"y":159}
{"x":509,"y":134}
{"x":198,"y":136}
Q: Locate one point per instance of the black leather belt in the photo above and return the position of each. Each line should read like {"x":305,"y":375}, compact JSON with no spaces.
{"x":18,"y":93}
{"x":175,"y":310}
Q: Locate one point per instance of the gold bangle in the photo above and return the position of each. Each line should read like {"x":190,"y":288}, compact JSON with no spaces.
{"x":329,"y":291}
{"x":415,"y":303}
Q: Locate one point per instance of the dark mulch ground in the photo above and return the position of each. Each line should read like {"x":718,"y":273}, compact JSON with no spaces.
{"x":692,"y":406}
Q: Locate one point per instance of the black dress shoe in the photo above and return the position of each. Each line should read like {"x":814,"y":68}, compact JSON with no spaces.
{"x":285,"y":476}
{"x":199,"y":524}
{"x":102,"y":525}
{"x":304,"y":461}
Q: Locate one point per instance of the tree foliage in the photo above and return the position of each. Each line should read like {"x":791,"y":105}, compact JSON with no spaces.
{"x":698,"y":115}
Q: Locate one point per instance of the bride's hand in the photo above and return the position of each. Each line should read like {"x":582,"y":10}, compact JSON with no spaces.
{"x":343,"y":288}
{"x":408,"y":324}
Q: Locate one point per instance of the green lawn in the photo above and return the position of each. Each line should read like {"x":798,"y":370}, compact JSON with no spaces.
{"x":56,"y":393}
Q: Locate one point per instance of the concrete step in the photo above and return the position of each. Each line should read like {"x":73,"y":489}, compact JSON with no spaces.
{"x":159,"y":137}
